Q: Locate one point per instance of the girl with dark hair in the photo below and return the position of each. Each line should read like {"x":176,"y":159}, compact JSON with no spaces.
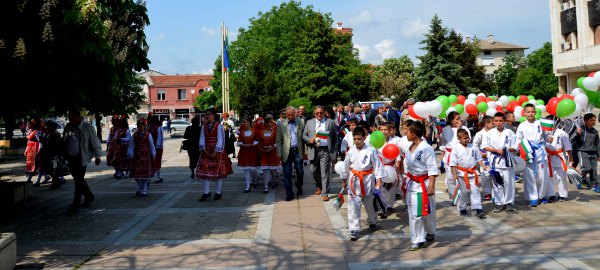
{"x":447,"y":141}
{"x":248,"y":154}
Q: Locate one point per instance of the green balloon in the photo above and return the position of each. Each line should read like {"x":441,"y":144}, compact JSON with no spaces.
{"x":511,"y":98}
{"x":592,"y":96}
{"x":522,"y":119}
{"x":540,"y":102}
{"x":597,"y":103}
{"x":459,"y":108}
{"x":538,"y":111}
{"x":530,"y":97}
{"x":580,"y":83}
{"x":565,"y":107}
{"x":538,"y":116}
{"x":453,"y":98}
{"x":445,"y":101}
{"x":377,"y":139}
{"x":482,"y":107}
{"x":443,"y":114}
{"x":525,"y":103}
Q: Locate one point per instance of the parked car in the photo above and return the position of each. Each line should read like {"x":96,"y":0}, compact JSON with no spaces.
{"x":179,"y":125}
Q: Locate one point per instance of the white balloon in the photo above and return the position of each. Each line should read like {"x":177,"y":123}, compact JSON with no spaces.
{"x":533,"y":101}
{"x":481,"y":95}
{"x":469,"y":101}
{"x":581,"y":99}
{"x":390,"y":174}
{"x":541,"y":107}
{"x":518,"y":112}
{"x":492,"y":104}
{"x":518,"y":109}
{"x":590,"y":84}
{"x":576,"y":91}
{"x":491,"y":112}
{"x":519,"y":164}
{"x":449,"y":110}
{"x":421,"y":109}
{"x":435,"y":107}
{"x":597,"y":75}
{"x":339,"y":167}
{"x":503,"y":101}
{"x":472,"y":96}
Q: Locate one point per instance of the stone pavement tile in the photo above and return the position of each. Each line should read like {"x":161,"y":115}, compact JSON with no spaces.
{"x":125,"y":200}
{"x":375,"y":255}
{"x":575,"y":247}
{"x":178,"y":249}
{"x":335,"y":257}
{"x":496,"y":250}
{"x":50,"y":249}
{"x":174,"y":261}
{"x":564,"y":236}
{"x":49,"y":261}
{"x":239,"y":199}
{"x":319,"y":266}
{"x":281,"y":257}
{"x":593,"y":263}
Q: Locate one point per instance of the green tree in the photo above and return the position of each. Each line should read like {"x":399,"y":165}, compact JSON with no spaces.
{"x":81,"y":54}
{"x":292,"y":53}
{"x":439,"y":72}
{"x":506,"y":74}
{"x":537,"y":78}
{"x":393,"y":78}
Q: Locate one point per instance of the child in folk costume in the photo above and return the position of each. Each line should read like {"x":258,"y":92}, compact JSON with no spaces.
{"x":362,"y":172}
{"x":463,"y":162}
{"x":390,"y":189}
{"x":110,"y":146}
{"x":531,"y":140}
{"x":155,"y":128}
{"x":121,"y":142}
{"x":269,"y":161}
{"x":499,"y":142}
{"x":214,"y":165}
{"x":487,"y":123}
{"x":142,"y":152}
{"x":557,"y":166}
{"x":448,"y":140}
{"x":421,"y":170}
{"x":248,"y":153}
{"x":589,"y":150}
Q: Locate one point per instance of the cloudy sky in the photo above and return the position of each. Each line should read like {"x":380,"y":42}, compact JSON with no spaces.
{"x":184,"y":35}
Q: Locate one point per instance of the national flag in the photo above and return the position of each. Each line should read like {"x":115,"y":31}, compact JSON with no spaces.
{"x":339,"y":201}
{"x":322,"y":135}
{"x":525,"y":150}
{"x":225,"y":53}
{"x":547,"y":124}
{"x":345,"y":131}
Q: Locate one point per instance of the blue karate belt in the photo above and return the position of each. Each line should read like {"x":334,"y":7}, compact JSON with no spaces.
{"x":535,"y":147}
{"x":507,"y":163}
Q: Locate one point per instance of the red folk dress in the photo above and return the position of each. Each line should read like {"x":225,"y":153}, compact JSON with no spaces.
{"x":157,"y":162}
{"x":212,"y":138}
{"x":269,"y":160}
{"x":141,"y":164}
{"x":248,"y":156}
{"x":31,"y":152}
{"x":120,"y":161}
{"x":110,"y":149}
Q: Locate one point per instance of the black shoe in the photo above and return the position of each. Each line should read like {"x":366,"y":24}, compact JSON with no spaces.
{"x":498,"y":208}
{"x":144,"y":195}
{"x":480,"y":213}
{"x":46,"y":180}
{"x":289,"y":198}
{"x":552,"y":199}
{"x":300,"y":192}
{"x":192,"y":175}
{"x":464,"y":212}
{"x":429,"y":237}
{"x":36,"y":185}
{"x":138,"y":193}
{"x":415,"y":247}
{"x":204,"y":197}
{"x":354,"y":235}
{"x":72,"y":211}
{"x":88,"y":201}
{"x":160,"y":180}
{"x":246,"y":190}
{"x":217,"y":196}
{"x":562,"y":199}
{"x":510,"y":207}
{"x":373,"y":227}
{"x":266,"y":191}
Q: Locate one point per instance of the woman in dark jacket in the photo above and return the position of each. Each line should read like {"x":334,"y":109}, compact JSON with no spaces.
{"x":229,"y":140}
{"x":192,"y":135}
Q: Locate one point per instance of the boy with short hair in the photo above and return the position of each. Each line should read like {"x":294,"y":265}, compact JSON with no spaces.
{"x":389,"y":191}
{"x":557,"y":165}
{"x":465,"y":158}
{"x":589,"y":152}
{"x":421,"y":171}
{"x":499,"y":142}
{"x":487,"y":123}
{"x":348,"y":140}
{"x":363,"y":172}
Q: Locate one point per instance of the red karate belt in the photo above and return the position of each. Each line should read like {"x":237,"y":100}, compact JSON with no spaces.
{"x":467,"y":172}
{"x":361,"y":176}
{"x":449,"y":150}
{"x":558,"y":154}
{"x":424,"y":197}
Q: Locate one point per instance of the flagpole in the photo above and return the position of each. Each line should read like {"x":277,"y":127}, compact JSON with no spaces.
{"x":223,"y":65}
{"x":227,"y":72}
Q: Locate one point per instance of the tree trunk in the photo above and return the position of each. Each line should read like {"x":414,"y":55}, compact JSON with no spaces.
{"x":99,"y":126}
{"x":9,"y":123}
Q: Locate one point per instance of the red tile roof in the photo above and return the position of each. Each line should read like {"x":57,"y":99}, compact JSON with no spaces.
{"x":180,"y":80}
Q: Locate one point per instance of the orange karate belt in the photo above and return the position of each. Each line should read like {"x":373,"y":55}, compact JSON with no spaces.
{"x":424,"y":197}
{"x":467,"y":172}
{"x":558,"y":154}
{"x":361,"y":176}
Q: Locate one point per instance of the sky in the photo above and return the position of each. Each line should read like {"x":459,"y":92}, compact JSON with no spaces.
{"x":184,"y":35}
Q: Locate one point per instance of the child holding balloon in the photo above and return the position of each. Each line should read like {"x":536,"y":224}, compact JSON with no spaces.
{"x":363,"y":172}
{"x":390,"y":157}
{"x":465,"y":158}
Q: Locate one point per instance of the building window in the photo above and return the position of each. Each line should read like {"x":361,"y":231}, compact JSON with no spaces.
{"x":487,"y":61}
{"x":487,"y":52}
{"x":508,"y":52}
{"x":161,"y":95}
{"x":182,"y":94}
{"x":490,"y":77}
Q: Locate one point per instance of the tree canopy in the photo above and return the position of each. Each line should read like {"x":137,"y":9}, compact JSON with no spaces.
{"x":393,"y":78}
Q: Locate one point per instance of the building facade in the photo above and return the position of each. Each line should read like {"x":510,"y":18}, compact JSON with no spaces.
{"x":145,"y":105}
{"x":173,"y":96}
{"x":492,"y":53}
{"x":575,"y":29}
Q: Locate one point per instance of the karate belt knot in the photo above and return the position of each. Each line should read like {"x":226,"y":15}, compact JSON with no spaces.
{"x":361,"y":176}
{"x":424,"y":197}
{"x":467,"y":172}
{"x":558,"y":154}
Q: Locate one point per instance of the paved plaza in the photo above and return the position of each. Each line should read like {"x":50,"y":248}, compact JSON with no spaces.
{"x":170,"y":229}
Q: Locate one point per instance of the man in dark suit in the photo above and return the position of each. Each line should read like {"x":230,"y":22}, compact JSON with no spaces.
{"x":321,"y":137}
{"x":392,"y":116}
{"x":367,"y":115}
{"x":290,"y":148}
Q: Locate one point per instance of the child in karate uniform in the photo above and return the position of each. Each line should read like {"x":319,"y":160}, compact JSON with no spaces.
{"x":362,"y":175}
{"x":558,"y":166}
{"x":487,"y":123}
{"x":421,"y":170}
{"x":463,"y":164}
{"x":499,"y":142}
{"x":448,"y":140}
{"x":389,"y":189}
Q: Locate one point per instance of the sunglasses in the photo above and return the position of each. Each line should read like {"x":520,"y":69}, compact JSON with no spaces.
{"x":319,"y":113}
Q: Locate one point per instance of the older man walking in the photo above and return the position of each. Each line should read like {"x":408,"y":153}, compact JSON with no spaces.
{"x":290,"y":148}
{"x":321,"y":137}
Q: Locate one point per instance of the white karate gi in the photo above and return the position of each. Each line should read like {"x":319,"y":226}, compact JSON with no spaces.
{"x":484,"y":177}
{"x":535,"y":185}
{"x":420,"y":162}
{"x":390,"y":195}
{"x":363,"y":159}
{"x":562,"y":144}
{"x":449,"y":139}
{"x":502,"y":195}
{"x":466,"y":157}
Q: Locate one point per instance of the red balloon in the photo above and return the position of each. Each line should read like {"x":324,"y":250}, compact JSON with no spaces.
{"x":461,"y":99}
{"x":480,"y":99}
{"x":454,"y":104}
{"x":522,"y":99}
{"x":551,"y":106}
{"x":488,"y":99}
{"x":411,"y":112}
{"x":471,"y":109}
{"x":591,"y":74}
{"x":510,"y":107}
{"x":499,"y":108}
{"x":390,"y":151}
{"x":567,"y":96}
